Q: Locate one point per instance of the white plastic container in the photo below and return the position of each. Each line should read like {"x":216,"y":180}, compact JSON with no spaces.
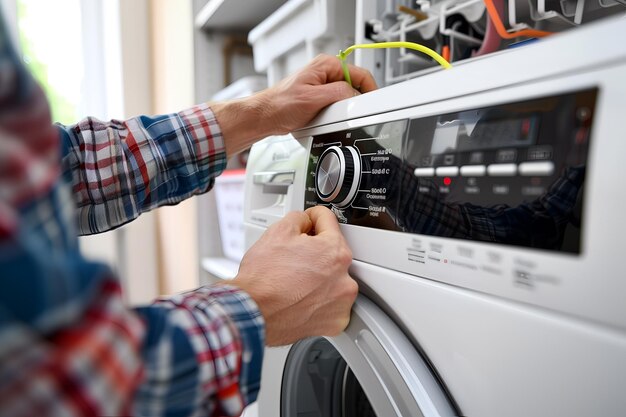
{"x":229,"y":196}
{"x":299,"y":31}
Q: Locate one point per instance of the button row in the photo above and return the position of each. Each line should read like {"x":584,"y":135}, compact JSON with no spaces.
{"x":527,"y":169}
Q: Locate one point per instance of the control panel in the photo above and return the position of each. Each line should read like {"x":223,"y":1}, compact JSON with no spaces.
{"x":511,"y":173}
{"x":486,"y":178}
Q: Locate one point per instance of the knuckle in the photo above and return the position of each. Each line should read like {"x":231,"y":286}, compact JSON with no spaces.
{"x":290,"y":217}
{"x":321,"y":57}
{"x":353,"y":289}
{"x":341,"y":324}
{"x":314,"y":209}
{"x":344,"y":255}
{"x":343,"y":90}
{"x":336,"y":330}
{"x":277,"y":228}
{"x":348,"y":292}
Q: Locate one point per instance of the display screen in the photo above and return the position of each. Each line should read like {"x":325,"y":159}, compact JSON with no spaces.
{"x":511,"y":173}
{"x":477,"y":130}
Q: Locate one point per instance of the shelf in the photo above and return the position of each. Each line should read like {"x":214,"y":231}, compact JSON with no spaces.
{"x":224,"y":15}
{"x":222,"y":268}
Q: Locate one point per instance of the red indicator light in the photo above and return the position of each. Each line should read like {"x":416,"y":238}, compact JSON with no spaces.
{"x":447,"y":181}
{"x":525,"y":127}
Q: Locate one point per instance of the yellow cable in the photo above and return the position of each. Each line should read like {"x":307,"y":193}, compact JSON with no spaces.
{"x":409,"y":45}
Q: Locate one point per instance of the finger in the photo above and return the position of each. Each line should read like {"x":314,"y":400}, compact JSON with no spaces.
{"x":328,"y":94}
{"x":333,"y":71}
{"x":362,"y":79}
{"x":296,"y":221}
{"x":323,"y":220}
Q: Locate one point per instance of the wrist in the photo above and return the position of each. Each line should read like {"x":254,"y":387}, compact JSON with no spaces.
{"x":244,"y":121}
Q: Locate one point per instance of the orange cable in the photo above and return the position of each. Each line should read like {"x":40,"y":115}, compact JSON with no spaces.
{"x":497,"y":23}
{"x":445,"y":52}
{"x":419,"y":16}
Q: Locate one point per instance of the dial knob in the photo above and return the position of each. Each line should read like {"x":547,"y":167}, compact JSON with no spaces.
{"x":338,"y":175}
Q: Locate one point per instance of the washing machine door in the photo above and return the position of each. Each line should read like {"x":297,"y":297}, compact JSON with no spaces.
{"x":371,"y":369}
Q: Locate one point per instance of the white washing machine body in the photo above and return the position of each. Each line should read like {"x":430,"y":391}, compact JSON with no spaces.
{"x":511,"y":302}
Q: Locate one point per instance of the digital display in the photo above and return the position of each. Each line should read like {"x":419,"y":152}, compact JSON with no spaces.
{"x":477,"y":130}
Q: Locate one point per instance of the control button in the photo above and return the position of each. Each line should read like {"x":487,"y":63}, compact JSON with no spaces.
{"x":544,"y":168}
{"x":447,"y":171}
{"x":506,"y":155}
{"x":424,"y":172}
{"x":473,"y":170}
{"x":502,"y":170}
{"x":338,"y":175}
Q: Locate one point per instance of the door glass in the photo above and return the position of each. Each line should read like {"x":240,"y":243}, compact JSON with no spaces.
{"x":355,"y":402}
{"x":318,"y":383}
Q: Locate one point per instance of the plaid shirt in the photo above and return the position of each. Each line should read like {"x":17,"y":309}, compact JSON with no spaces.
{"x":68,"y":344}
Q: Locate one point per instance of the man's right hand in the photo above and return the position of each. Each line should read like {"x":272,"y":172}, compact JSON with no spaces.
{"x":289,"y":105}
{"x":297,"y":273}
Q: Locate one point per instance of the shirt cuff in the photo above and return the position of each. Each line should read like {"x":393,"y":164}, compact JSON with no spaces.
{"x":245,"y":315}
{"x":236,"y":340}
{"x":204,"y":131}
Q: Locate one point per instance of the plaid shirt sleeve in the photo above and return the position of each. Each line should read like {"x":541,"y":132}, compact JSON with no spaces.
{"x":119,"y":169}
{"x":68,"y":344}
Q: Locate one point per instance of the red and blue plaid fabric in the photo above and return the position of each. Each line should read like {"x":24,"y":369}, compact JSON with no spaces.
{"x":68,"y":344}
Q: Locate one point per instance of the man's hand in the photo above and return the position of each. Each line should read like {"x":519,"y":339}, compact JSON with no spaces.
{"x":298,"y":275}
{"x":290,"y":104}
{"x":296,"y":100}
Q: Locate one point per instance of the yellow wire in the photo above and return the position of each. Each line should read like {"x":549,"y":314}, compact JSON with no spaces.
{"x":408,"y":45}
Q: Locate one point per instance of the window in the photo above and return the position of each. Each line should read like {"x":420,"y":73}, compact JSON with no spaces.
{"x":50,"y":36}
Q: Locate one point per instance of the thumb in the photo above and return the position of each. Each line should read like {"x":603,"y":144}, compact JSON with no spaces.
{"x":330,"y":93}
{"x":323,"y":220}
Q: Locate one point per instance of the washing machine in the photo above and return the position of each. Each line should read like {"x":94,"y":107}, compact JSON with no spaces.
{"x":485,"y":208}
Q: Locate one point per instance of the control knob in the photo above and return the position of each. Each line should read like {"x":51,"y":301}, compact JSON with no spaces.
{"x":338,"y":175}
